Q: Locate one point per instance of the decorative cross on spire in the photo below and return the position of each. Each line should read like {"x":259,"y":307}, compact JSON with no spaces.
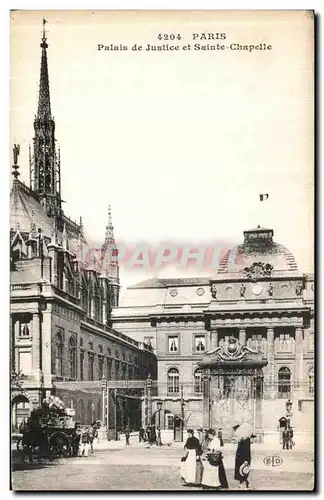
{"x":44,"y":31}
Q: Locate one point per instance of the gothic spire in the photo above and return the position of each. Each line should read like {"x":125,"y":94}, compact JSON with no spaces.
{"x":109,"y":252}
{"x":45,"y":165}
{"x":109,"y":238}
{"x":44,"y":102}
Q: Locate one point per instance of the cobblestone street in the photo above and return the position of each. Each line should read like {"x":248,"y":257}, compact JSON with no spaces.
{"x":138,"y":468}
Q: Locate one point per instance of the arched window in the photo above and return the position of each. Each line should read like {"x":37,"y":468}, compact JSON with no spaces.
{"x":72,"y":358}
{"x":59,"y":354}
{"x":198,"y":388}
{"x":311,"y":381}
{"x":284,"y":383}
{"x":173,"y":381}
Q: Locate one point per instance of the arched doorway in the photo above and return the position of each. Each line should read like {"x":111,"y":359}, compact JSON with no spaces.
{"x":20,"y":411}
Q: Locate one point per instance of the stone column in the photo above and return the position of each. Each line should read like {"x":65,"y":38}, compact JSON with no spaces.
{"x":242,"y":336}
{"x":298,"y":365}
{"x":36,"y":347}
{"x":213,"y":340}
{"x":270,"y":370}
{"x":206,"y":401}
{"x":47,"y":350}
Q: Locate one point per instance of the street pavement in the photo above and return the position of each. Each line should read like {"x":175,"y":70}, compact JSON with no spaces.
{"x":114,"y":466}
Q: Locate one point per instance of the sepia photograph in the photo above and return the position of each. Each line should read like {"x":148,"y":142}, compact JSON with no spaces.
{"x":161,"y":326}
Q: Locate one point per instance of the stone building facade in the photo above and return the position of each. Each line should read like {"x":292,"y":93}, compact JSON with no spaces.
{"x":62,"y":291}
{"x":259,"y":298}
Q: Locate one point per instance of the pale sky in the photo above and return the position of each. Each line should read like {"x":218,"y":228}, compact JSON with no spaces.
{"x":179,"y":143}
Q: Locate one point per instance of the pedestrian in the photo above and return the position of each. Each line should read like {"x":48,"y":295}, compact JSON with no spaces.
{"x":205,"y":440}
{"x":92,"y":433}
{"x":127,"y":434}
{"x":141,"y":433}
{"x":290,"y":437}
{"x":158,"y":437}
{"x":200,"y":433}
{"x":76,"y":439}
{"x":243,"y":434}
{"x":191,"y":466}
{"x":214,"y":475}
{"x":285,"y":439}
{"x":85,"y":443}
{"x":153,"y":435}
{"x":220,"y":436}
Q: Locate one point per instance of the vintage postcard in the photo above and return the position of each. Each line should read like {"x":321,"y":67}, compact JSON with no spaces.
{"x":161,"y":250}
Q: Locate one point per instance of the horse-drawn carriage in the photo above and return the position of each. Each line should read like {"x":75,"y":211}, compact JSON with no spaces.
{"x":50,"y":432}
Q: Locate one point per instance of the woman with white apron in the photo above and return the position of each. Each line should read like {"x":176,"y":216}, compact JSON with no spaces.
{"x":214,"y":475}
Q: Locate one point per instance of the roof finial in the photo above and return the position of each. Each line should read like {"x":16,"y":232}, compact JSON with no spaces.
{"x":44,"y":32}
{"x":81,"y":224}
{"x":33,"y":223}
{"x":15,"y":166}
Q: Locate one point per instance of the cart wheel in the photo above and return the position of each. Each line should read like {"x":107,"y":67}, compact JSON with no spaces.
{"x":20,"y":445}
{"x":59,"y":444}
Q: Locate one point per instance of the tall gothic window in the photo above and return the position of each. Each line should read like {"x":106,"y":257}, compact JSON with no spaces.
{"x":311,"y":381}
{"x":101,"y":366}
{"x":59,"y":354}
{"x":72,"y":358}
{"x":81,"y":365}
{"x":90,"y":365}
{"x":109,"y":363}
{"x":173,"y":381}
{"x":198,"y":381}
{"x":284,"y":383}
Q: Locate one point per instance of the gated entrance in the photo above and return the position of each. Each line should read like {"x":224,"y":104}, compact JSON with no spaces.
{"x":233,"y":388}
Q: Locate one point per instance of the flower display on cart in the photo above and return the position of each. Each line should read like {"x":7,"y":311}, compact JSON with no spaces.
{"x":52,"y":409}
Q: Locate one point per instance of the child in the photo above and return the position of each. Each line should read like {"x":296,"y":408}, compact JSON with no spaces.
{"x":85,"y":442}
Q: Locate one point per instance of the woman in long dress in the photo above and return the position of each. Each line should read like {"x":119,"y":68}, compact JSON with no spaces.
{"x":243,"y":435}
{"x":191,"y":468}
{"x":214,"y":475}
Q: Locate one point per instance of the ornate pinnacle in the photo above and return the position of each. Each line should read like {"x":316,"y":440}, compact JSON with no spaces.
{"x":15,"y":166}
{"x":65,"y":239}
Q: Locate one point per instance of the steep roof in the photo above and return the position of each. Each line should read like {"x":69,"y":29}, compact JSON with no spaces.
{"x":26,"y":210}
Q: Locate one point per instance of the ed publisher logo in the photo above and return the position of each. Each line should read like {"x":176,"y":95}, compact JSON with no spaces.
{"x":272,"y":460}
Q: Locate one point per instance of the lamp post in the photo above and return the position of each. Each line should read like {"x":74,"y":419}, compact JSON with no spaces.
{"x":116,"y":432}
{"x":288,"y":411}
{"x":159,"y":407}
{"x":104,"y":392}
{"x":183,"y":404}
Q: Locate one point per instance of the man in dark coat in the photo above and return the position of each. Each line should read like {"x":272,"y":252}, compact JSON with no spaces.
{"x":141,"y":434}
{"x":127,"y":434}
{"x":220,"y":436}
{"x":285,"y":439}
{"x":242,"y":459}
{"x":290,"y":438}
